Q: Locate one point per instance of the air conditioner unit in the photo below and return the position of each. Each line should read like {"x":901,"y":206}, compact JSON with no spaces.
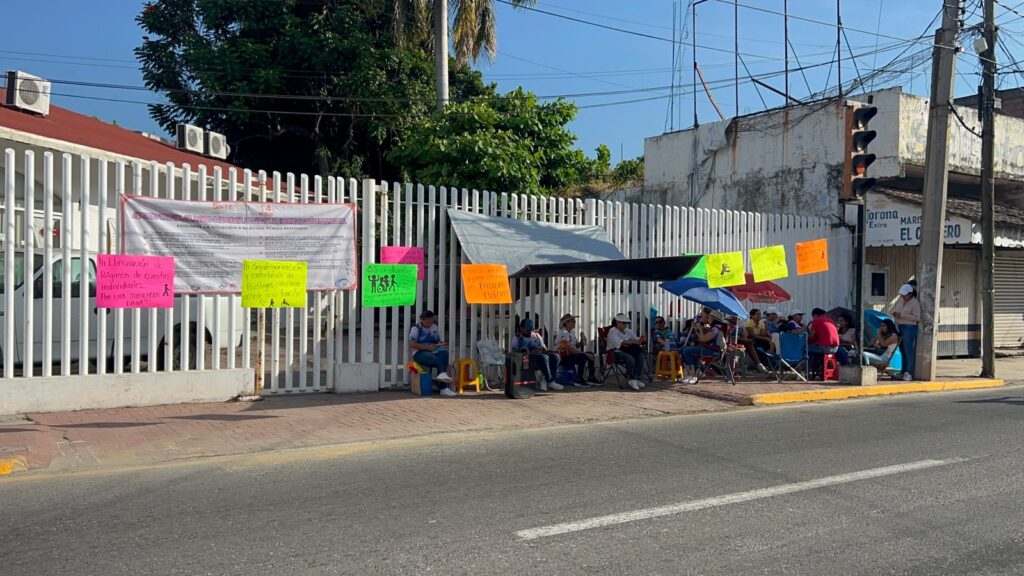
{"x":27,"y":92}
{"x":216,"y":145}
{"x":190,"y":138}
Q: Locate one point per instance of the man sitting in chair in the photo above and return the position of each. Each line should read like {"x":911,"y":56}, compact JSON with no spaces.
{"x":628,"y":350}
{"x":532,"y":343}
{"x":569,"y":348}
{"x":430,"y":351}
{"x":822,"y":339}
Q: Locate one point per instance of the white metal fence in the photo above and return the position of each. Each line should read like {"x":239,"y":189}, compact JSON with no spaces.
{"x":63,"y":209}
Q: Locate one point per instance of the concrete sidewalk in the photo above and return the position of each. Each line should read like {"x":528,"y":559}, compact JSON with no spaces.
{"x":134,"y":436}
{"x":140,"y":436}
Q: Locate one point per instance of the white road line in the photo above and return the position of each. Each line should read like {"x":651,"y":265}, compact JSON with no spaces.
{"x":647,"y":513}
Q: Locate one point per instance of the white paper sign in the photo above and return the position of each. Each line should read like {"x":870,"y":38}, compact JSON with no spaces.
{"x":895,"y":223}
{"x":210,"y":240}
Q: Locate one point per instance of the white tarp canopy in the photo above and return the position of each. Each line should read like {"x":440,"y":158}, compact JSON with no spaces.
{"x":520,"y":243}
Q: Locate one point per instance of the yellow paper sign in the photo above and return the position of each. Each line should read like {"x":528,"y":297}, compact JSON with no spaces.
{"x":769,"y":263}
{"x":273,"y":284}
{"x":812,"y":257}
{"x":726,"y":269}
{"x":486,"y":284}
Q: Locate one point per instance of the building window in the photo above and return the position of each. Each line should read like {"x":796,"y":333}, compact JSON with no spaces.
{"x":878,"y":283}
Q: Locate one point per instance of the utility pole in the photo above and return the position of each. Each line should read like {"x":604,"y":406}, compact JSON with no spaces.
{"x":441,"y":51}
{"x":785,"y":42}
{"x":839,"y":46}
{"x":988,"y":193}
{"x":933,"y":205}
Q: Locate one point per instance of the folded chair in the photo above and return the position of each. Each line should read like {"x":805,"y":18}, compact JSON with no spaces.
{"x":791,"y":359}
{"x":606,"y":358}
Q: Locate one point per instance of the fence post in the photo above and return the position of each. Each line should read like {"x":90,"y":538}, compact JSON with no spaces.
{"x":369,"y":217}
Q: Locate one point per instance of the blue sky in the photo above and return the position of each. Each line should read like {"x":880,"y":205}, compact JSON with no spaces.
{"x":93,"y":41}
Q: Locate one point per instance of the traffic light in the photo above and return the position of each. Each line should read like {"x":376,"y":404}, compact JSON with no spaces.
{"x":856,"y":182}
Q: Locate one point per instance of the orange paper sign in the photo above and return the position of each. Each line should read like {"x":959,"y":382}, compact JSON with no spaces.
{"x":486,"y":284}
{"x":812,"y":257}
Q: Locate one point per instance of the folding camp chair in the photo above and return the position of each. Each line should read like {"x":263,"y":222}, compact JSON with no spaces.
{"x":608,"y":363}
{"x":792,"y":357}
{"x":492,"y":361}
{"x":722,"y":360}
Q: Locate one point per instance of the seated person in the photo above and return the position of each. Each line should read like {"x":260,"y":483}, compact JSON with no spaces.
{"x":822,"y":339}
{"x":772,"y":321}
{"x":430,"y":351}
{"x":710,"y":340}
{"x":531,"y":342}
{"x":628,"y":349}
{"x":756,"y":329}
{"x":665,"y":340}
{"x":568,"y":348}
{"x":848,"y":340}
{"x":688,"y":337}
{"x":879,"y":352}
{"x":795,"y":324}
{"x":748,"y":343}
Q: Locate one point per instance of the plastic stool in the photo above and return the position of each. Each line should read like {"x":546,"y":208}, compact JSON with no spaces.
{"x":669,"y":365}
{"x":830,"y":368}
{"x":467,"y":375}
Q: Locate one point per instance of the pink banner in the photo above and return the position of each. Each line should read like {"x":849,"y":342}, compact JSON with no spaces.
{"x":403,"y":255}
{"x":132,"y":281}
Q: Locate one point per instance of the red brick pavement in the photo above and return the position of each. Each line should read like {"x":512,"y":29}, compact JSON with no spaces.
{"x":96,"y":438}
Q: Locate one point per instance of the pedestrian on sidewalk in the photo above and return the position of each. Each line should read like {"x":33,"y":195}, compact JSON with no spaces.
{"x":907,"y":312}
{"x":431,"y":351}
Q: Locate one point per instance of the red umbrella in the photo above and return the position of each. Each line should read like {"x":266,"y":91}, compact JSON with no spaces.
{"x":766,"y":292}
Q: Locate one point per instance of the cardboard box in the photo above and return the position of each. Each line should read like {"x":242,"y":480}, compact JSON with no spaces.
{"x":423,"y":385}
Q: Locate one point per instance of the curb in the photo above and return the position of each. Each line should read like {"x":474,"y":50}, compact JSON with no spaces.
{"x":773,"y":398}
{"x":12,"y":465}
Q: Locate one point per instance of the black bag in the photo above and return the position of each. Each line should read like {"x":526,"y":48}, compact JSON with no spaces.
{"x":519,"y":378}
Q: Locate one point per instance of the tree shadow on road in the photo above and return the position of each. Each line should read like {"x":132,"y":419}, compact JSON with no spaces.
{"x":104,"y":425}
{"x":222,"y":417}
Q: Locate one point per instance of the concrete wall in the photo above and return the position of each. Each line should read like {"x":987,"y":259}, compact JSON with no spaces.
{"x":65,"y":393}
{"x":788,"y":161}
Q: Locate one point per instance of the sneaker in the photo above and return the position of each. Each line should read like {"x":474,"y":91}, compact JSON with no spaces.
{"x":641,"y":383}
{"x":581,"y":384}
{"x":907,"y":378}
{"x":448,"y":393}
{"x":762,"y":369}
{"x":594,"y":382}
{"x":635,"y":385}
{"x":691,"y":380}
{"x":556,"y":386}
{"x":543,"y":385}
{"x":443,"y":377}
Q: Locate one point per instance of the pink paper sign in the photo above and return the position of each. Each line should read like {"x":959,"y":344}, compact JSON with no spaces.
{"x":131,"y":281}
{"x":403,"y":255}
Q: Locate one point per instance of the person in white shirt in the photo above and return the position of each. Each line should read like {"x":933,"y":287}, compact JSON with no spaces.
{"x":628,"y":349}
{"x":569,"y":349}
{"x":541,"y":359}
{"x":430,"y":350}
{"x":907,"y":312}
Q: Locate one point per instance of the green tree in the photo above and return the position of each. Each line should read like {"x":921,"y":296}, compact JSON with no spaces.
{"x":629,"y":172}
{"x":314,"y":86}
{"x":510,"y":143}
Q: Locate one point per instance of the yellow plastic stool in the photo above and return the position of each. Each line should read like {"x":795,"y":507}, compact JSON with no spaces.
{"x":669,"y":366}
{"x":467,"y":375}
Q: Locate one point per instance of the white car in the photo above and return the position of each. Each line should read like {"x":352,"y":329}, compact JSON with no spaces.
{"x":58,"y":315}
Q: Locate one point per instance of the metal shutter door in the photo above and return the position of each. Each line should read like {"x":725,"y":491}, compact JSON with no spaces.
{"x":1009,"y":299}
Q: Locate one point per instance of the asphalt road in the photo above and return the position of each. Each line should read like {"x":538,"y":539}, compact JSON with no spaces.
{"x":925,"y":485}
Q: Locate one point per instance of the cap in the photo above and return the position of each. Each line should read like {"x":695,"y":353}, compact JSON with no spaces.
{"x":565,"y":319}
{"x":906,"y":289}
{"x":717,"y":315}
{"x":796,"y":312}
{"x":772,"y":310}
{"x":622,"y":318}
{"x":527,"y":324}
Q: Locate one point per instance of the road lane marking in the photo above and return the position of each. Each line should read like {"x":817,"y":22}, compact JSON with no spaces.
{"x":679,"y":508}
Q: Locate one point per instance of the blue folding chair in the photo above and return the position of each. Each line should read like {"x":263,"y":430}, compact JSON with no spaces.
{"x":792,"y":357}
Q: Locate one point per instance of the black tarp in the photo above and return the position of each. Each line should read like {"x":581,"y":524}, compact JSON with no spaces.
{"x":635,"y":269}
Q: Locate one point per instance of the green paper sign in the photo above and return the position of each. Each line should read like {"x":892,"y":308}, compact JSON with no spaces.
{"x":387,"y":285}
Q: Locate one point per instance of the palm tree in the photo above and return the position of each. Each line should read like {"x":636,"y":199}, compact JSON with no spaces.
{"x":474,"y":31}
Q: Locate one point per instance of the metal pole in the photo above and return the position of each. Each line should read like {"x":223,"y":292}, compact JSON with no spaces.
{"x":839,"y":46}
{"x":988,"y":194}
{"x":736,"y":51}
{"x":672,"y":92}
{"x":859,"y":258}
{"x":694,"y":45}
{"x":441,"y":52}
{"x":785,"y":41}
{"x":933,"y":212}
